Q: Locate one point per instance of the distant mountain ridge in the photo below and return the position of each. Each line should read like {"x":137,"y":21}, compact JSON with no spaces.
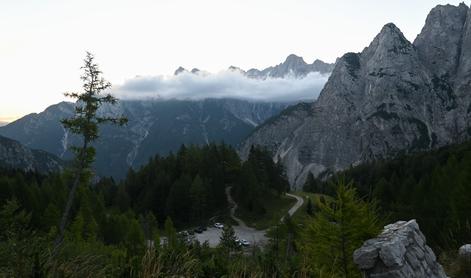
{"x":293,"y":66}
{"x":16,"y":156}
{"x":155,"y":127}
{"x":393,"y":97}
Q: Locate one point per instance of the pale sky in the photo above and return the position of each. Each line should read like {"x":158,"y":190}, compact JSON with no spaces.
{"x":43,"y":42}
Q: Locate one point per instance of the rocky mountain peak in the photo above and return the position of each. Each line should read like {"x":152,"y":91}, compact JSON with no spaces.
{"x":294,"y":60}
{"x":390,"y":40}
{"x":439,"y":43}
{"x":393,"y":97}
{"x":180,"y":70}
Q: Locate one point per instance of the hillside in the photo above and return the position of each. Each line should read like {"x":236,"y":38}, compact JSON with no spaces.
{"x":432,"y":187}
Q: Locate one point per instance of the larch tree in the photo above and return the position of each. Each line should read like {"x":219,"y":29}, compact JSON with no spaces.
{"x":85,"y":123}
{"x":339,"y":227}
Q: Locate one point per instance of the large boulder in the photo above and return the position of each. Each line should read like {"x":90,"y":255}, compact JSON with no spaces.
{"x":465,"y":251}
{"x":400,"y":251}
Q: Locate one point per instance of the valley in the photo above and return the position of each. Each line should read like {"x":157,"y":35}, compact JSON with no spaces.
{"x":356,"y":168}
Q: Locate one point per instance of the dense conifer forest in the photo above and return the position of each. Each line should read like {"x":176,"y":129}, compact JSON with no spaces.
{"x":116,"y":227}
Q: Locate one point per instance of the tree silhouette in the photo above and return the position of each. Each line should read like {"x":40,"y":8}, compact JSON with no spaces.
{"x":85,"y":123}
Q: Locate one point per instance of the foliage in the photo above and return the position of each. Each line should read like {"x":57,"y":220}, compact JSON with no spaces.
{"x":338,"y":229}
{"x":85,"y":123}
{"x":228,"y":239}
{"x":261,"y":182}
{"x":432,"y":187}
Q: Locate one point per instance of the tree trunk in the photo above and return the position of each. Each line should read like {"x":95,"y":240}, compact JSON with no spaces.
{"x":70,"y":199}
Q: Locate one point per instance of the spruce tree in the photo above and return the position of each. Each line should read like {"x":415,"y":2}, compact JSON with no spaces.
{"x":228,"y":239}
{"x":85,"y":124}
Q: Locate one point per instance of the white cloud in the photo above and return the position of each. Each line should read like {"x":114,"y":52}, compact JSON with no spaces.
{"x":226,"y":84}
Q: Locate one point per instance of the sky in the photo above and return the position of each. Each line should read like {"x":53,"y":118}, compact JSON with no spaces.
{"x":43,"y":42}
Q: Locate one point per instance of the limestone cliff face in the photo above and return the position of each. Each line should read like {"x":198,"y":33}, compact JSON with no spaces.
{"x":399,"y":252}
{"x":393,"y":97}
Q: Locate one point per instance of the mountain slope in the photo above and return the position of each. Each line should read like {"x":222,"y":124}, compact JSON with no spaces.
{"x":393,"y":97}
{"x":16,"y":156}
{"x":155,"y":127}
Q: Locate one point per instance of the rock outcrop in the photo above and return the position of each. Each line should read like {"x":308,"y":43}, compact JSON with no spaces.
{"x":394,"y":97}
{"x":465,"y":251}
{"x":399,"y":252}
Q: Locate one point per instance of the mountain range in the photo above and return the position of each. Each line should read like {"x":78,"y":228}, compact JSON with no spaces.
{"x":393,"y":97}
{"x":154,"y":127}
{"x":293,"y":66}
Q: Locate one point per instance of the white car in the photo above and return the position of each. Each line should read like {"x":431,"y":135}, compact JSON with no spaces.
{"x":218,"y":225}
{"x":245,"y":242}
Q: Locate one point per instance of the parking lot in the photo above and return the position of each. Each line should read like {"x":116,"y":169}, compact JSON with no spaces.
{"x":212,"y":235}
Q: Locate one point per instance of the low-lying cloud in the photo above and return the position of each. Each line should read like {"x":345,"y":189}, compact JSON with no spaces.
{"x":226,"y":84}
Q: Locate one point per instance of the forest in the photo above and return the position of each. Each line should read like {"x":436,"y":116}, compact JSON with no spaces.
{"x":114,"y":223}
{"x":432,"y":187}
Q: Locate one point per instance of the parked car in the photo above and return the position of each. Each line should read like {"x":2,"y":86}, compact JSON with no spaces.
{"x":183,"y":233}
{"x":237,"y":241}
{"x":218,"y":225}
{"x":245,"y":242}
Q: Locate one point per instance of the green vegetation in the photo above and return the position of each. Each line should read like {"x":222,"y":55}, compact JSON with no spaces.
{"x":432,"y":187}
{"x":340,"y":227}
{"x":106,"y":239}
{"x":275,"y":208}
{"x":260,"y":190}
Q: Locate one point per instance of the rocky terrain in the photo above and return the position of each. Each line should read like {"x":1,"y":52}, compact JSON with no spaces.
{"x":394,"y":97}
{"x":13,"y":155}
{"x":400,"y":251}
{"x":294,"y":66}
{"x":155,"y":127}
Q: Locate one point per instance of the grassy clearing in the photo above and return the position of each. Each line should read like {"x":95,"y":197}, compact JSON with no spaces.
{"x":301,"y":216}
{"x":276,"y":207}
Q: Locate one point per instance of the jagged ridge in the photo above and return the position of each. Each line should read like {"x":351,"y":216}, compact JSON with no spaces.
{"x":393,"y":97}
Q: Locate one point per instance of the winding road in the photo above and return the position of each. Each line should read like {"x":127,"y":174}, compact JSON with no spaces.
{"x":233,"y":206}
{"x":293,"y":209}
{"x":242,"y":231}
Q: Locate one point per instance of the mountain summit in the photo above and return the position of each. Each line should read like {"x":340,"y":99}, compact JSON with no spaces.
{"x":293,"y":66}
{"x":393,"y":97}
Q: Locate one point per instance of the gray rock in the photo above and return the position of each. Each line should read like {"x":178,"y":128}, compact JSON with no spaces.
{"x":400,"y":254}
{"x":293,"y":66}
{"x":465,"y":251}
{"x":393,"y":97}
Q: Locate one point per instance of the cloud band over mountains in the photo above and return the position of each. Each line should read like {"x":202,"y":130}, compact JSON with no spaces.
{"x":227,"y":84}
